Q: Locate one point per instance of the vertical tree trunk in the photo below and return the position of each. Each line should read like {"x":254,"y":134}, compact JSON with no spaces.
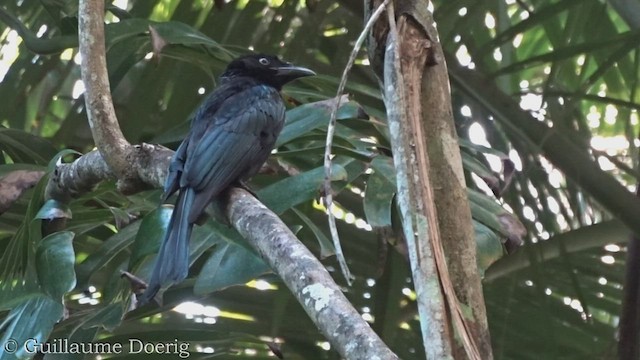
{"x":436,"y":179}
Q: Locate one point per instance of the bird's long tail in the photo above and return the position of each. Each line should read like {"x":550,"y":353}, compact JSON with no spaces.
{"x":172,"y":262}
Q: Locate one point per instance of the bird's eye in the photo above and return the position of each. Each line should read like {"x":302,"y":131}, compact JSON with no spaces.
{"x":264,"y":61}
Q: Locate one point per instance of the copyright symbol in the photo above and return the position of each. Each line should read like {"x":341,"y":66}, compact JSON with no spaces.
{"x":11,"y":346}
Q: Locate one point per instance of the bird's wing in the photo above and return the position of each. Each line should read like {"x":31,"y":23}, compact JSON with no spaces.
{"x":238,"y":135}
{"x":205,"y":112}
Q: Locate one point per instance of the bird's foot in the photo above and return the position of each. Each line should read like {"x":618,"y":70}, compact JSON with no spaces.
{"x":243,"y":185}
{"x":216,"y":210}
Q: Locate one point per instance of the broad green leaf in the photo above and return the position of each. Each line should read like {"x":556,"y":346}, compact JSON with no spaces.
{"x":230,"y":264}
{"x":87,"y":219}
{"x":305,"y":118}
{"x":24,"y":147}
{"x":378,"y":199}
{"x":58,"y":158}
{"x":361,"y":155}
{"x":475,"y":166}
{"x":108,"y":317}
{"x":384,"y":166}
{"x":489,"y":247}
{"x":150,"y":234}
{"x":486,"y":211}
{"x":298,"y":189}
{"x":326,"y":246}
{"x":105,"y":253}
{"x":54,"y":263}
{"x":30,"y":322}
{"x":53,"y":209}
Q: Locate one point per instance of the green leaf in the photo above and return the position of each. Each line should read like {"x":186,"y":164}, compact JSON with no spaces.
{"x":55,"y":260}
{"x":58,"y":157}
{"x":486,"y":211}
{"x":308,"y":117}
{"x":24,"y":147}
{"x":105,"y":253}
{"x":378,"y":198}
{"x":32,"y":320}
{"x":384,"y":166}
{"x":108,"y":317}
{"x":299,"y":188}
{"x":475,"y":166}
{"x":178,"y":33}
{"x":16,"y":261}
{"x":541,"y":15}
{"x":53,"y":209}
{"x":229,"y":265}
{"x":488,"y":245}
{"x":568,"y":51}
{"x":326,"y":246}
{"x":150,"y":234}
{"x":361,"y":155}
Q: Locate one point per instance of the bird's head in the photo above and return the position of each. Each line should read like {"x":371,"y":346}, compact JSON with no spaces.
{"x":265,"y":68}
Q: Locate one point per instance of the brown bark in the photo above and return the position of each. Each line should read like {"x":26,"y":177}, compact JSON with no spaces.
{"x":436,"y":169}
{"x":450,"y":195}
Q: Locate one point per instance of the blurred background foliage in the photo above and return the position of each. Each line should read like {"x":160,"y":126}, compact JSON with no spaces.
{"x":572,"y":64}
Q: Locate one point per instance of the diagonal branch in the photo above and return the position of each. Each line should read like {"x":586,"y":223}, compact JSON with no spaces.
{"x":307,"y":279}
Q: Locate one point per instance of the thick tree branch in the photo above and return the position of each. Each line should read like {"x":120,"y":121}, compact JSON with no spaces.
{"x":104,"y":125}
{"x":305,"y":276}
{"x":148,"y":162}
{"x":434,"y":324}
{"x":445,"y":173}
{"x":431,"y":187}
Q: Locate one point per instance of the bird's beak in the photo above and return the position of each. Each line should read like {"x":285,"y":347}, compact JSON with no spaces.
{"x":293,"y":72}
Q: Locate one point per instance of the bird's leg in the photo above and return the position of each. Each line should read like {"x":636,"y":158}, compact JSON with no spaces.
{"x":216,"y":210}
{"x":243,"y":185}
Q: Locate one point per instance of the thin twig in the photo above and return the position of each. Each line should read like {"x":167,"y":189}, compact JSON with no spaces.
{"x":331,"y":130}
